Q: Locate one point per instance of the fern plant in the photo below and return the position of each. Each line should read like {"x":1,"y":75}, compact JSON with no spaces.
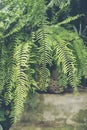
{"x":45,"y":52}
{"x":29,"y":47}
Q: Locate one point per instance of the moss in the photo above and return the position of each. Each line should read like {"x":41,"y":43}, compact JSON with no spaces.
{"x":81,"y":117}
{"x":39,"y":127}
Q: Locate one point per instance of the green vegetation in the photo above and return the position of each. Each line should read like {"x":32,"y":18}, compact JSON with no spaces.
{"x":81,"y":117}
{"x":65,"y":127}
{"x":31,"y":44}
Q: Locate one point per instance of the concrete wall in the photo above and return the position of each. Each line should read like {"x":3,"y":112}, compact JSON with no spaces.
{"x":57,"y":110}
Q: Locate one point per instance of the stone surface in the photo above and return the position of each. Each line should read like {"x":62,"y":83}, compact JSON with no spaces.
{"x":56,"y":110}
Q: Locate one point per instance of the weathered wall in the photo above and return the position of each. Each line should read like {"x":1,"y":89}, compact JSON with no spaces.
{"x":57,"y":110}
{"x":64,"y":108}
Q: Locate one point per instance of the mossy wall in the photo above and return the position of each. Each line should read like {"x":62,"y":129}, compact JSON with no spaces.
{"x":56,"y":112}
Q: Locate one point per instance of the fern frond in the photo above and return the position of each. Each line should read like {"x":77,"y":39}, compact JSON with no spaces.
{"x":20,"y":78}
{"x":81,"y":55}
{"x":23,"y":16}
{"x":1,"y":29}
{"x":45,"y":53}
{"x":70,"y":19}
{"x":10,"y":64}
{"x":64,"y":54}
{"x":3,"y":54}
{"x":60,"y":3}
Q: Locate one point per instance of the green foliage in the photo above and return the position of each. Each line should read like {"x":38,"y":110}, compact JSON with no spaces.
{"x":69,"y":19}
{"x":45,"y":52}
{"x":1,"y":127}
{"x":59,"y":10}
{"x":2,"y":116}
{"x":32,"y":101}
{"x":2,"y":65}
{"x":20,"y":77}
{"x":29,"y":47}
{"x":66,"y":55}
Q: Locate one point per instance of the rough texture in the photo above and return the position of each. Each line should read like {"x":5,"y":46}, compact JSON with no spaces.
{"x":57,"y":110}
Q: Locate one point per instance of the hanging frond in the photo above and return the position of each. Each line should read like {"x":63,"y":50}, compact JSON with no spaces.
{"x":2,"y":65}
{"x":70,"y":19}
{"x":81,"y":56}
{"x":3,"y":53}
{"x":45,"y":53}
{"x":10,"y":65}
{"x":65,"y":55}
{"x":20,"y":78}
